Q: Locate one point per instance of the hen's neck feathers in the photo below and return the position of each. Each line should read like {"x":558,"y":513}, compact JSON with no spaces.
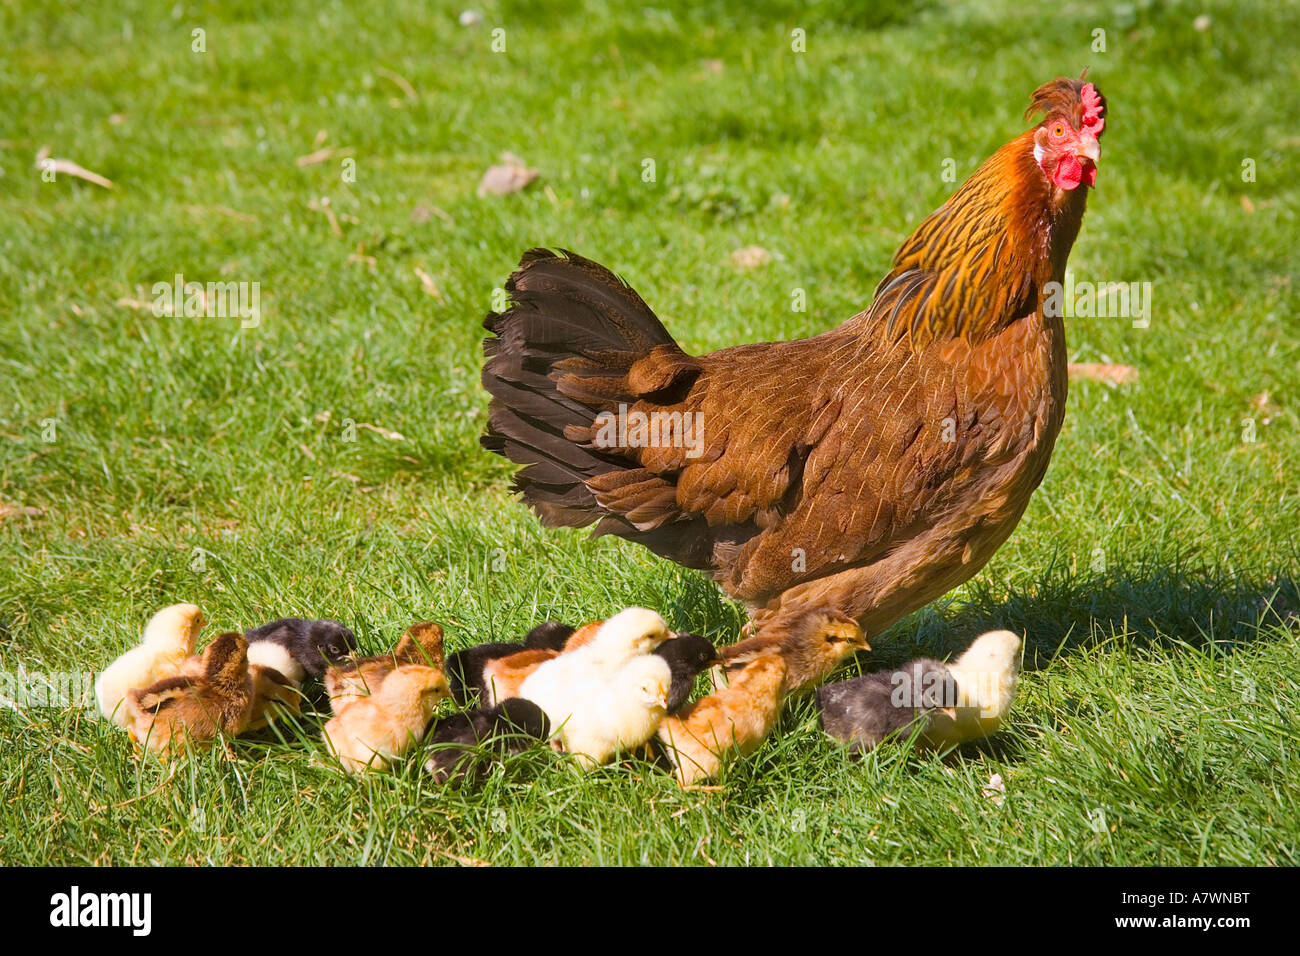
{"x":980,"y":261}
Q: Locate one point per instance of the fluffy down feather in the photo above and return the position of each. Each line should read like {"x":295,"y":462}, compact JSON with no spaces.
{"x":558,"y":685}
{"x":167,"y":641}
{"x":736,"y":718}
{"x":612,"y":716}
{"x":178,"y":714}
{"x":372,"y":732}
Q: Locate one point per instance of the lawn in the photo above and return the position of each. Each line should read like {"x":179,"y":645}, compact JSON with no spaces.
{"x":322,"y":458}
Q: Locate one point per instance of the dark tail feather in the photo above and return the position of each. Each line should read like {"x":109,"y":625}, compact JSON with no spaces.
{"x":564,"y":352}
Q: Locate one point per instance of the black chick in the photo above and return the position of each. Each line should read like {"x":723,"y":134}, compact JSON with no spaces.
{"x":511,"y":727}
{"x":299,"y":648}
{"x":864,"y":711}
{"x":687,"y":655}
{"x":547,"y":636}
{"x":465,"y":668}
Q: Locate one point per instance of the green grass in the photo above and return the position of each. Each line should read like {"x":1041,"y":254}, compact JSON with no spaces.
{"x":194,"y":460}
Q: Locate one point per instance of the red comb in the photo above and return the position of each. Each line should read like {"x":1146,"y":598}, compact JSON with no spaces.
{"x":1092,"y":119}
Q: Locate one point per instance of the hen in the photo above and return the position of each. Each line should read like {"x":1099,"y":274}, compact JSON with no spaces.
{"x":867,"y":470}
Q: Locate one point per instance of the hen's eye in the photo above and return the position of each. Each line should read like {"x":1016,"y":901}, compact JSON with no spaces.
{"x":1058,"y":130}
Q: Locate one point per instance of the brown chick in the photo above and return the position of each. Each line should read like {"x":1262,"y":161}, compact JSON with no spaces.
{"x":736,"y":718}
{"x":370,"y":733}
{"x":345,"y":683}
{"x":188,"y":712}
{"x":813,"y":645}
{"x":274,"y":697}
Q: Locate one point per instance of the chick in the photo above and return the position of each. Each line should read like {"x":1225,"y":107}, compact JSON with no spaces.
{"x":274,"y":695}
{"x":734,"y":718}
{"x":512,"y":726}
{"x":986,"y":687}
{"x":865,"y":711}
{"x":374,"y":731}
{"x":558,"y":684}
{"x":345,"y":683}
{"x":618,"y":714}
{"x":948,"y":704}
{"x":180,"y":713}
{"x":687,"y":655}
{"x":503,"y":676}
{"x":465,"y":668}
{"x":813,"y":645}
{"x":549,"y":635}
{"x":167,"y":641}
{"x":299,"y":648}
{"x":583,"y":635}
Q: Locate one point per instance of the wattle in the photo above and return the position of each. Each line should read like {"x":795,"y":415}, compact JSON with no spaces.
{"x":1069,"y":172}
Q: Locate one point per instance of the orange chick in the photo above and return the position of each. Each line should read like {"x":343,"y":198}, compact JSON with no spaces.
{"x":503,"y":676}
{"x":274,"y":697}
{"x":736,"y":718}
{"x":372,"y":732}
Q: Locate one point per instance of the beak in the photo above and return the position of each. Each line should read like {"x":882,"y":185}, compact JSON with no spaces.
{"x":1089,"y":149}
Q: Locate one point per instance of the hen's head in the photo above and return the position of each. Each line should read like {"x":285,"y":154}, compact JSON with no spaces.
{"x":1065,"y":143}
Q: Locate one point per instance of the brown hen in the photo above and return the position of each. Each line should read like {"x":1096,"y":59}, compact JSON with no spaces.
{"x":866,"y":470}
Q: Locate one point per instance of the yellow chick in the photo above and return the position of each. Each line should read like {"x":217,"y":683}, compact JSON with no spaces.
{"x":617,"y":715}
{"x":736,"y":718}
{"x":183,"y":713}
{"x":168,"y":639}
{"x":372,"y":732}
{"x":986,"y":687}
{"x":630,"y":633}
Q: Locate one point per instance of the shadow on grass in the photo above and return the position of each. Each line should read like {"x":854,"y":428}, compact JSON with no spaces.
{"x":1159,"y":607}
